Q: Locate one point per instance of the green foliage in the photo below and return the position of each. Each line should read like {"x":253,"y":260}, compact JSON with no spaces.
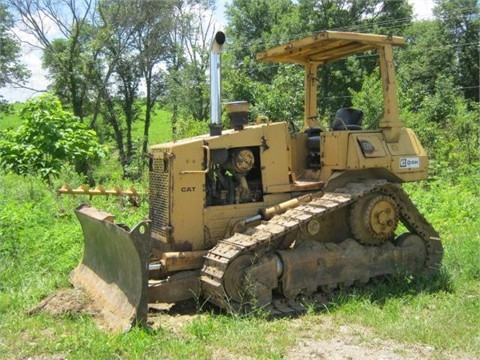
{"x":376,"y":15}
{"x":188,"y":127}
{"x":280,"y":100}
{"x":11,"y":69}
{"x":255,"y":26}
{"x":450,"y":134}
{"x":74,"y":72}
{"x":452,"y":205}
{"x":465,"y":134}
{"x":427,"y":56}
{"x":48,"y":138}
{"x":440,"y":105}
{"x":369,"y":99}
{"x":461,"y":21}
{"x":188,"y":85}
{"x":36,"y":240}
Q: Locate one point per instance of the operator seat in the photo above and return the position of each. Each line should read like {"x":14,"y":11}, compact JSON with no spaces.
{"x":313,"y":146}
{"x":347,"y":119}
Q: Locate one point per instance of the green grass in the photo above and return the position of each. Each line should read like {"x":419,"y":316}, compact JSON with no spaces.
{"x":41,"y":242}
{"x":77,"y":337}
{"x":160,"y":132}
{"x":160,"y":128}
{"x":11,"y":120}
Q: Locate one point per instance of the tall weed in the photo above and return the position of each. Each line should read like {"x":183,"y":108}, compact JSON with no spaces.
{"x":37,"y":245}
{"x":454,"y":210}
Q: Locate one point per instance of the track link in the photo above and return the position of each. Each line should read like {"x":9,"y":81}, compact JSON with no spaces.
{"x":276,"y":234}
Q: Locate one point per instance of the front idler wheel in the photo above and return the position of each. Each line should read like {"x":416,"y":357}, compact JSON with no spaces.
{"x":236,"y":281}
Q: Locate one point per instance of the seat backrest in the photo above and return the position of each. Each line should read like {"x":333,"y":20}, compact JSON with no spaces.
{"x":313,"y":139}
{"x":347,"y":119}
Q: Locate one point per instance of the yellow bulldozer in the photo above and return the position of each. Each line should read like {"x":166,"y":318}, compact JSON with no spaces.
{"x":257,"y":217}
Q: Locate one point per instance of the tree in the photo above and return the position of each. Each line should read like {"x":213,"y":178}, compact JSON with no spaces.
{"x":11,"y":69}
{"x":379,"y":16}
{"x":461,"y":20}
{"x":48,"y":138}
{"x":256,"y":25}
{"x":370,"y":99}
{"x":103,"y":51}
{"x":153,"y":46}
{"x":68,"y":60}
{"x":118,"y":92}
{"x":427,"y":55}
{"x":187,"y":64}
{"x":74,"y":66}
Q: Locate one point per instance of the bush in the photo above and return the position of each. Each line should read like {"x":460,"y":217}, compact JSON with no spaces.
{"x":48,"y":138}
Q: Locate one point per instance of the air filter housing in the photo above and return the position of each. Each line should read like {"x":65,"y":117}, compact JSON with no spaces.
{"x":237,"y":112}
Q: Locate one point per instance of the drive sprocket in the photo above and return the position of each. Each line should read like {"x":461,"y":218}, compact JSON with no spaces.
{"x":374,"y":219}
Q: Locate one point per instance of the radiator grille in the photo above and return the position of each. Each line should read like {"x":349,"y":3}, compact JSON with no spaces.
{"x":159,"y":196}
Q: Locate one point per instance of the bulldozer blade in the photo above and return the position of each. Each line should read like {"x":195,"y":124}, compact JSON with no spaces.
{"x":114,"y":268}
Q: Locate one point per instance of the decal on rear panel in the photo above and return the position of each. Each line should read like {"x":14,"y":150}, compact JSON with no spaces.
{"x":410,"y":162}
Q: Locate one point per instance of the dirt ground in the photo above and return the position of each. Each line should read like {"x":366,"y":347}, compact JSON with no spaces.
{"x":322,"y":340}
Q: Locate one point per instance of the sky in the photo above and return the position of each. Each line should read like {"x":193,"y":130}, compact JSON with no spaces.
{"x":32,"y":59}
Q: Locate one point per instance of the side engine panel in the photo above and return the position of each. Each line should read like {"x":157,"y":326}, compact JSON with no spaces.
{"x":199,"y":186}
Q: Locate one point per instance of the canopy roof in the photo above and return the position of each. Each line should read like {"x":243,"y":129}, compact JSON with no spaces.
{"x":327,"y":46}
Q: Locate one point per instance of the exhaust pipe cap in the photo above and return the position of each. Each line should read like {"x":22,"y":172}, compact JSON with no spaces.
{"x":218,"y":42}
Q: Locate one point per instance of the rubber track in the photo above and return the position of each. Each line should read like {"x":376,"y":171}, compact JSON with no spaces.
{"x":270,"y":236}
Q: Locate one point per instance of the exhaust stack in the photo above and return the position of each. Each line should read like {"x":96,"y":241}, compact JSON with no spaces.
{"x":215,"y":84}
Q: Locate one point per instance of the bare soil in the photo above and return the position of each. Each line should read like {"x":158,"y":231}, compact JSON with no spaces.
{"x":65,"y":301}
{"x":316,"y":338}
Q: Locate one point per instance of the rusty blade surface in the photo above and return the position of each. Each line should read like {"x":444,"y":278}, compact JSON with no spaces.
{"x":114,"y":268}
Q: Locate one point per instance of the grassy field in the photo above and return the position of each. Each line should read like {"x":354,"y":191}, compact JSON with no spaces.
{"x":160,"y":128}
{"x":11,"y":120}
{"x":41,"y":242}
{"x":160,"y":132}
